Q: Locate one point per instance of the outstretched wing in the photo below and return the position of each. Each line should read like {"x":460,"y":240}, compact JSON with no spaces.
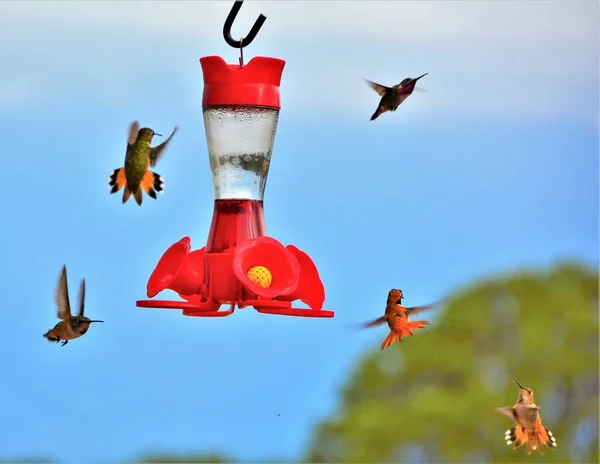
{"x":61,"y":296}
{"x":418,"y":309}
{"x":81,"y":297}
{"x":380,"y":89}
{"x":508,"y":412}
{"x":134,"y":128}
{"x":374,"y":323}
{"x":158,"y":150}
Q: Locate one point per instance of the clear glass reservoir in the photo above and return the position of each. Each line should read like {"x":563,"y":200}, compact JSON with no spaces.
{"x":240,"y":142}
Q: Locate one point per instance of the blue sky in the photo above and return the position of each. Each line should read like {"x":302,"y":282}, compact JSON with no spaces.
{"x":495,"y":168}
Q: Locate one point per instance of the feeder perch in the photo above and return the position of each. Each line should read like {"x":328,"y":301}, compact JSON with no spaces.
{"x":239,"y":266}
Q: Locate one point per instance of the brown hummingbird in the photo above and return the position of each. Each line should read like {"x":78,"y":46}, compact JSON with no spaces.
{"x":392,"y":97}
{"x":135,"y":175}
{"x":528,"y":424}
{"x":396,"y":317}
{"x":70,"y":327}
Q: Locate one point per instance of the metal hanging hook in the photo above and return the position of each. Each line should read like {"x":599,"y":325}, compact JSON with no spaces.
{"x":245,"y":41}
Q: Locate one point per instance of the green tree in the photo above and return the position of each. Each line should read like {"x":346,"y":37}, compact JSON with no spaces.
{"x":432,"y":397}
{"x":189,"y":459}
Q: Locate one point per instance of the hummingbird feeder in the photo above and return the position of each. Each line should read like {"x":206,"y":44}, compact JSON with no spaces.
{"x":239,"y":266}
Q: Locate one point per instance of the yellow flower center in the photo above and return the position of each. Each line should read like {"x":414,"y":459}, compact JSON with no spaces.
{"x":261,"y":276}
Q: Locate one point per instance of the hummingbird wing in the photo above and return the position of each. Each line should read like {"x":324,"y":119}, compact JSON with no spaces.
{"x":158,"y":150}
{"x":374,"y":323}
{"x":81,"y":297}
{"x":134,"y":128}
{"x":418,"y":309}
{"x":61,"y":296}
{"x":380,"y":89}
{"x":509,"y":412}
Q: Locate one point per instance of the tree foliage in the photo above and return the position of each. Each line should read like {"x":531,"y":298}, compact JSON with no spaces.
{"x":432,"y":397}
{"x":181,"y":459}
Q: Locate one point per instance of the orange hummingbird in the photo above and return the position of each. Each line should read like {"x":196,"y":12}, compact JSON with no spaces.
{"x":396,"y":317}
{"x":528,"y":424}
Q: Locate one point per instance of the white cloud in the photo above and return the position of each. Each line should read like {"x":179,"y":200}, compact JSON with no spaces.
{"x":516,"y":59}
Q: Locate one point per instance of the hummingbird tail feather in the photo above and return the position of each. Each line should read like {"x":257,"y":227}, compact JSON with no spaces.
{"x":117,"y":180}
{"x":138,"y":196}
{"x":152,"y":183}
{"x":516,"y":436}
{"x":544,"y":437}
{"x":532,"y":444}
{"x":389,"y":340}
{"x":376,"y":114}
{"x":51,"y":337}
{"x":126,"y":194}
{"x":405,"y":329}
{"x":416,"y":325}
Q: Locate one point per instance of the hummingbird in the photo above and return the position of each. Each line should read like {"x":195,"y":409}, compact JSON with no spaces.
{"x":528,"y":423}
{"x":392,"y":97}
{"x":396,"y":317}
{"x":70,"y":327}
{"x":140,"y":154}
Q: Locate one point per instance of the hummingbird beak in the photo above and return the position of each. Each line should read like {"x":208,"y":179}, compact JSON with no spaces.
{"x":96,"y":321}
{"x":160,"y":135}
{"x":519,"y":383}
{"x":417,"y":78}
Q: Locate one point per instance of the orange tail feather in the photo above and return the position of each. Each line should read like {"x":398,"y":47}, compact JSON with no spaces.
{"x":516,"y":436}
{"x":532,"y":443}
{"x":544,"y":437}
{"x":389,"y":340}
{"x":403,"y":329}
{"x":152,"y":183}
{"x":117,"y":180}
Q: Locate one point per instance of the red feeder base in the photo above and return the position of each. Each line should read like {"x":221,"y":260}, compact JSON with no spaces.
{"x":281,"y":308}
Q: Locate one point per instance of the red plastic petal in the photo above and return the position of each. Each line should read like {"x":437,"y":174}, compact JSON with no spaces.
{"x":267,"y":252}
{"x":310,"y":290}
{"x":180,"y":271}
{"x":168,"y":267}
{"x":191,"y":276}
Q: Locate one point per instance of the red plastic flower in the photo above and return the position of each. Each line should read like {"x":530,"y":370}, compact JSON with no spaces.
{"x":180,"y":270}
{"x":271,"y":255}
{"x":310,"y":289}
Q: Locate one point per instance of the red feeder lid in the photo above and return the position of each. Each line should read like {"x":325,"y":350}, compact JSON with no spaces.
{"x":255,"y":84}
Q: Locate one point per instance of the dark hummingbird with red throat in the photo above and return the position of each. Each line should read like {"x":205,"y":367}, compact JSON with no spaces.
{"x":392,"y":97}
{"x":528,"y":423}
{"x":396,"y":317}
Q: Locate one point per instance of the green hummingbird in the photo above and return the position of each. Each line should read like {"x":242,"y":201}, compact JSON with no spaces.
{"x":140,"y":155}
{"x":392,"y":97}
{"x":70,"y":327}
